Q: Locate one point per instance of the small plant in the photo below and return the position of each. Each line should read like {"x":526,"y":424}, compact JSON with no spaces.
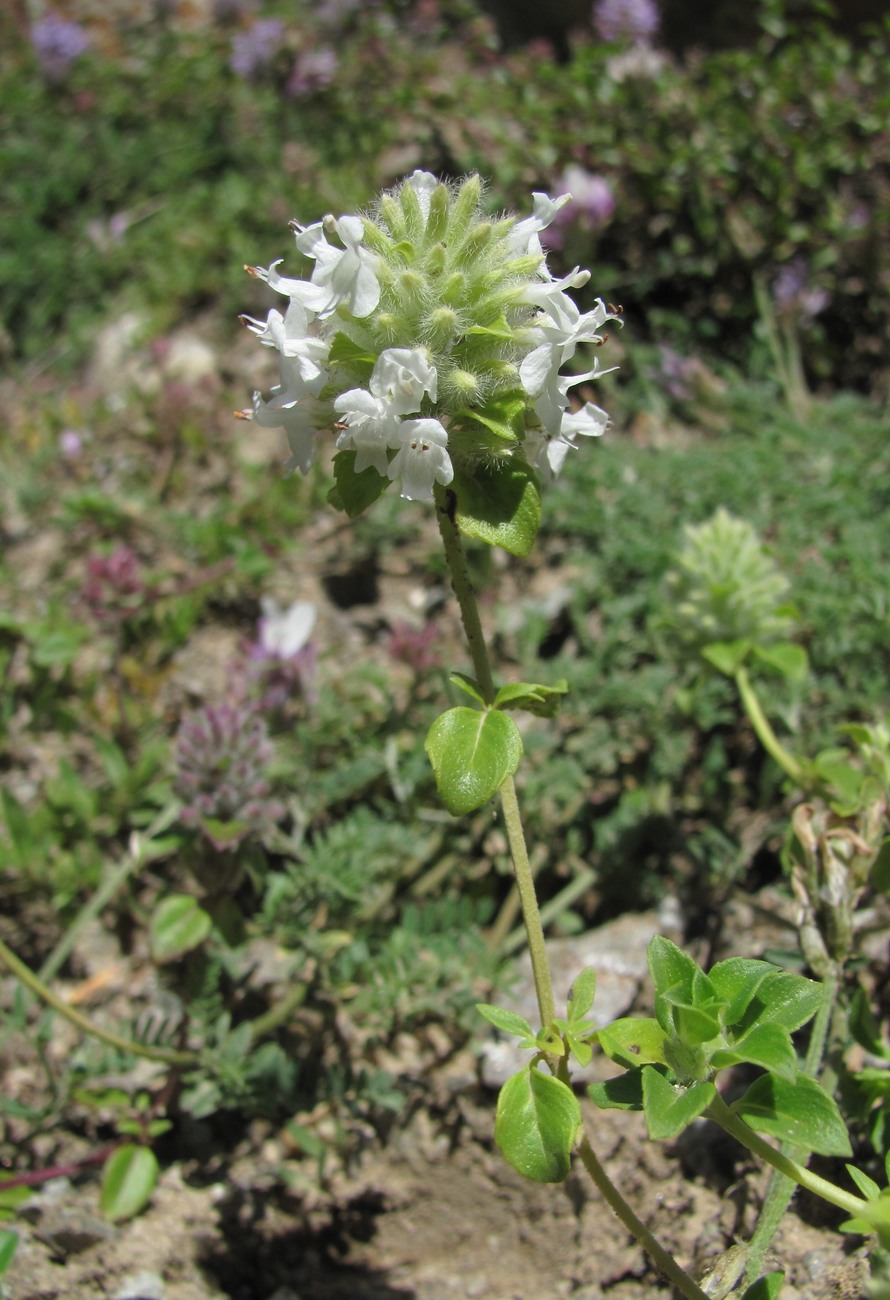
{"x":430,"y":338}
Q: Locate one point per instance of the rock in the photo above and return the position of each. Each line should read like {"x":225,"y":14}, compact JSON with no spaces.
{"x":616,"y":951}
{"x":144,"y":1285}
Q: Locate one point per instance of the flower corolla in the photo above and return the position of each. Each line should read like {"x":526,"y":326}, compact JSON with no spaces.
{"x":429,"y":342}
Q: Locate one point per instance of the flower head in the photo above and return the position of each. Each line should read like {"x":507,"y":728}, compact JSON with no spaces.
{"x":115,"y":588}
{"x":222,"y":759}
{"x":58,"y":44}
{"x":431,"y":338}
{"x":254,"y":49}
{"x":626,"y":20}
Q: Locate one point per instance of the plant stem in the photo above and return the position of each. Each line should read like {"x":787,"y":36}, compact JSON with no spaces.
{"x":140,"y":852}
{"x":446,"y":503}
{"x":719,"y":1112}
{"x":664,"y":1262}
{"x":531,"y":914}
{"x":765,"y":733}
{"x":23,"y":973}
{"x":781,"y":1188}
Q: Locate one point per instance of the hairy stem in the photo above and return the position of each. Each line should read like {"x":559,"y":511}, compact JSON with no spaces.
{"x":664,"y":1262}
{"x":719,"y":1112}
{"x":781,"y":1187}
{"x":765,"y":734}
{"x":446,"y":503}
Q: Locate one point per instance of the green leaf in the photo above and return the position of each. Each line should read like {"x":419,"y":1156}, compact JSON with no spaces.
{"x":128,"y":1180}
{"x":879,"y":877}
{"x":345,"y":351}
{"x":507,"y":1021}
{"x":768,"y":1046}
{"x":352,"y":492}
{"x":58,"y":648}
{"x":765,"y":1288}
{"x":788,"y":659}
{"x":499,"y":504}
{"x":726,"y":656}
{"x":468,"y":686}
{"x":785,"y":999}
{"x":867,"y":1186}
{"x":670,"y":1109}
{"x":801,"y":1113}
{"x":9,"y":1240}
{"x":179,"y":925}
{"x":504,"y":416}
{"x":671,"y":968}
{"x":472,"y":754}
{"x":624,"y":1092}
{"x":540,"y":700}
{"x":633,"y":1042}
{"x":736,"y":981}
{"x":581,"y":994}
{"x":536,"y":1126}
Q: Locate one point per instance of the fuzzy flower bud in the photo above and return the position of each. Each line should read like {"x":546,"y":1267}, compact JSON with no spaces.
{"x":429,"y":339}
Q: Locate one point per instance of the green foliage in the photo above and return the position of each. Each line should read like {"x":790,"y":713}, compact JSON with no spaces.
{"x":128,"y":1180}
{"x":536,"y":1126}
{"x":472,"y":752}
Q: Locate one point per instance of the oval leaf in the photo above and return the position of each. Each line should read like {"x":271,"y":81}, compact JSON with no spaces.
{"x":670,"y":1109}
{"x":507,"y":1021}
{"x":801,"y":1113}
{"x":537,"y":1124}
{"x":500,"y":505}
{"x":472,"y":754}
{"x":178,"y":925}
{"x":128,"y":1180}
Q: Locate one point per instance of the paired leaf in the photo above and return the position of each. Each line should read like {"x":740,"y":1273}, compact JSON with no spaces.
{"x":178,"y":925}
{"x":540,"y":700}
{"x":768,"y":1046}
{"x":670,"y":1109}
{"x":537,"y":1124}
{"x":786,"y":658}
{"x":352,"y":492}
{"x":727,"y":656}
{"x":128,"y":1180}
{"x":633,"y":1042}
{"x":798,"y":1112}
{"x":499,"y":504}
{"x":472,"y":754}
{"x":582,"y":994}
{"x":507,"y":1021}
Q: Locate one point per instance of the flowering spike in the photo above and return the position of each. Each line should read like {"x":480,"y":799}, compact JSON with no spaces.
{"x":429,"y":337}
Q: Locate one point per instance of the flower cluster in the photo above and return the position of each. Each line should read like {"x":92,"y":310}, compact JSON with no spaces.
{"x":626,"y":20}
{"x":223,"y":756}
{"x":58,"y":44}
{"x":431,"y":337}
{"x":114,"y":588}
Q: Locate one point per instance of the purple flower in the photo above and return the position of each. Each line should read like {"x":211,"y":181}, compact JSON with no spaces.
{"x":70,"y":444}
{"x":792,"y":294}
{"x":223,"y":755}
{"x":415,"y":646}
{"x":114,"y":589}
{"x":58,"y":44}
{"x":282,"y":660}
{"x":312,"y":71}
{"x":254,"y":49}
{"x":591,"y":207}
{"x":626,"y":20}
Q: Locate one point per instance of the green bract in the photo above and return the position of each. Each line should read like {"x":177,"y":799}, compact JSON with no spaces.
{"x":430,"y":340}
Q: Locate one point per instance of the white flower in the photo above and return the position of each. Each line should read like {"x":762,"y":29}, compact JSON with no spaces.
{"x":284,"y":632}
{"x":300,"y":423}
{"x":342,"y":275}
{"x":372,"y":425}
{"x":548,"y":451}
{"x":307,"y":354}
{"x":423,"y":184}
{"x":523,"y":237}
{"x":404,"y":375}
{"x":422,"y":459}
